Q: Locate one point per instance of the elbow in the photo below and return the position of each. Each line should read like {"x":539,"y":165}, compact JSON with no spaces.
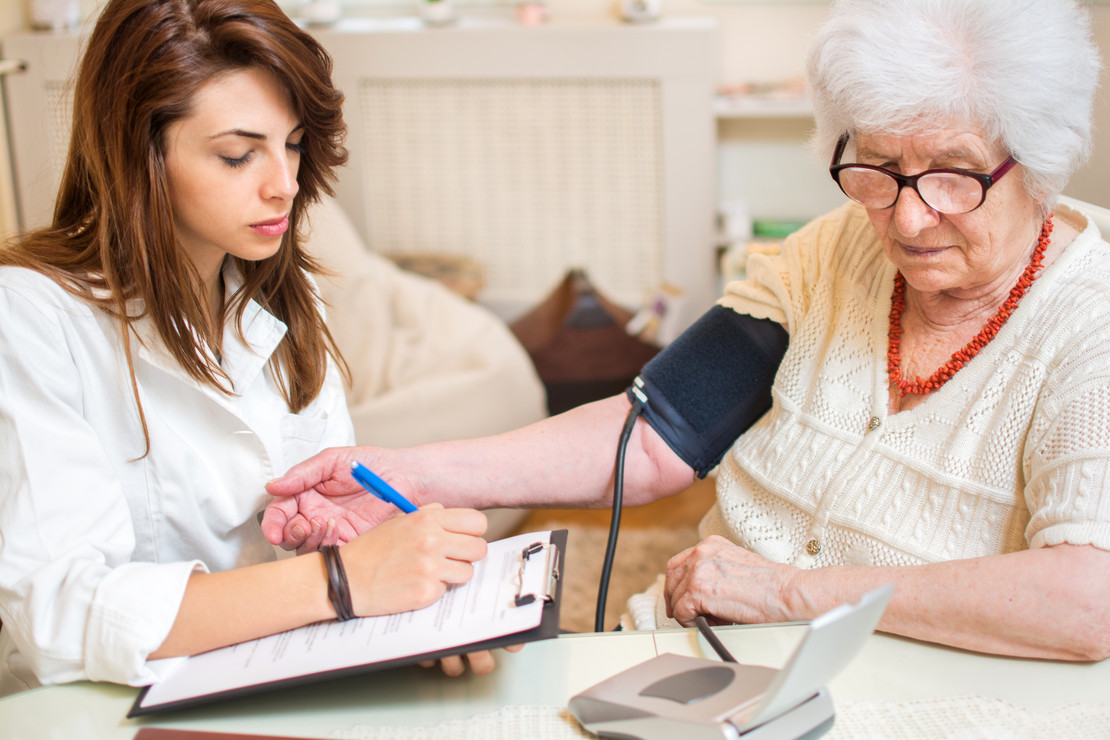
{"x":33,"y":666}
{"x":1089,"y":652}
{"x":1088,"y":639}
{"x":1078,"y":601}
{"x":1094,"y":644}
{"x":1099,"y":655}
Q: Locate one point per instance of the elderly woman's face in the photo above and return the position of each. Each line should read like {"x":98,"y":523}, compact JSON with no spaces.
{"x":962,"y":255}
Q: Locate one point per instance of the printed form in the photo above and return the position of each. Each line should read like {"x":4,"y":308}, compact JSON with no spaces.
{"x":481,"y":609}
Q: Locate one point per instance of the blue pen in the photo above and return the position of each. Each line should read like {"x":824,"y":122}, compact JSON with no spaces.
{"x":380,"y":488}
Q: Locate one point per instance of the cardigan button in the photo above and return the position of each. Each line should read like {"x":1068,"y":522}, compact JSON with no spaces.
{"x":874,"y":423}
{"x":813,"y":547}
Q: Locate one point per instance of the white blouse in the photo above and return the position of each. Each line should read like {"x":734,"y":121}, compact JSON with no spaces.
{"x":97,"y":539}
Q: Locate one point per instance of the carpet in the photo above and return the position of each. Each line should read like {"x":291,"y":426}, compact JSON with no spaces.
{"x":642,"y":554}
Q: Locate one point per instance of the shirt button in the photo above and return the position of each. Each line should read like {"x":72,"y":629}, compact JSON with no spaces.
{"x":813,"y":547}
{"x":874,"y":423}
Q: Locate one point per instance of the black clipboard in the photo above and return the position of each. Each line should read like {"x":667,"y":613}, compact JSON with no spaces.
{"x":554,"y":552}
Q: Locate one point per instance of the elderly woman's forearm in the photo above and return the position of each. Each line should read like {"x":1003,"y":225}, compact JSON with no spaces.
{"x":1046,"y":603}
{"x":563,"y":461}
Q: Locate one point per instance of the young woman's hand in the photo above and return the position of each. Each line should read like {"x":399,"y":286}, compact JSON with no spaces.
{"x":408,"y":561}
{"x":481,"y":662}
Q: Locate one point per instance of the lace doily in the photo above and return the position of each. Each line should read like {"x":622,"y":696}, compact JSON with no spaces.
{"x":957,"y":718}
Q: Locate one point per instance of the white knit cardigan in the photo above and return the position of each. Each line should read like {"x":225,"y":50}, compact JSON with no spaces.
{"x":1012,"y":453}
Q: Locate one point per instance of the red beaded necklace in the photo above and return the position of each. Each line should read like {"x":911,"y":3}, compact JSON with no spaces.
{"x":919,"y":387}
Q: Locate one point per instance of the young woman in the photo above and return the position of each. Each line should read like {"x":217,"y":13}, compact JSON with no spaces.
{"x":163,"y":355}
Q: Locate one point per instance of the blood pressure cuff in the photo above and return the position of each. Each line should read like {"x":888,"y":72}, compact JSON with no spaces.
{"x":711,"y":384}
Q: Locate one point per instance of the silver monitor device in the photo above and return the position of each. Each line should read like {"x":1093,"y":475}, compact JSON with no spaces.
{"x":673,"y":696}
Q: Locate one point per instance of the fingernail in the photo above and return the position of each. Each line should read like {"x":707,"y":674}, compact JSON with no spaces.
{"x":315,"y":526}
{"x":298,"y":532}
{"x":330,"y":529}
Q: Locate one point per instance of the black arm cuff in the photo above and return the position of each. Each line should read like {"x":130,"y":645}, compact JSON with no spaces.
{"x":711,"y":384}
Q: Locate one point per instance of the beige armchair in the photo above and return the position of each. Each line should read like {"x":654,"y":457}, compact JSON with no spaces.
{"x":426,"y":364}
{"x":1099,"y":214}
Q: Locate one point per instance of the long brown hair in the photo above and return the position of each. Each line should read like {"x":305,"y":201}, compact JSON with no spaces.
{"x":112,"y":239}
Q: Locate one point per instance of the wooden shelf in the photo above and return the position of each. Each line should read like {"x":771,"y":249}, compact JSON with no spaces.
{"x":754,"y":106}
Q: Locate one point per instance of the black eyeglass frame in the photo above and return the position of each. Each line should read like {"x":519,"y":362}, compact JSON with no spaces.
{"x":985,"y":180}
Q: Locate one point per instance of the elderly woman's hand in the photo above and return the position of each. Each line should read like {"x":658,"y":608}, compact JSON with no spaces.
{"x":318,"y":502}
{"x":724,"y":581}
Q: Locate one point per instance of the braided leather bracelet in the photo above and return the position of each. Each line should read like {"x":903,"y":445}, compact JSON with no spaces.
{"x":339,"y":591}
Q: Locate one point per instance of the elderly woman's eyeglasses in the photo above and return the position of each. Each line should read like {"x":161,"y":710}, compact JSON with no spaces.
{"x":946,"y":190}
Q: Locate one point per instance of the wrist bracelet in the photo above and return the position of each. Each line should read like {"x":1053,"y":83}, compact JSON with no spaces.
{"x":339,"y":590}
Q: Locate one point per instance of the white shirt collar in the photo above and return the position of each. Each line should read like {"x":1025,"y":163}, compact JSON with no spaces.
{"x":243,"y":358}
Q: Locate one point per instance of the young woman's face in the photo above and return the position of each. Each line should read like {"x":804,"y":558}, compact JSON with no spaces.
{"x":232,"y":170}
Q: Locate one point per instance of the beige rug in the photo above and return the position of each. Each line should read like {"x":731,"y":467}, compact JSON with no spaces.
{"x":642,"y":554}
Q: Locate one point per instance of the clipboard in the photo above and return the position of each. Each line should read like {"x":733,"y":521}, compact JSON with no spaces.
{"x":535,"y":553}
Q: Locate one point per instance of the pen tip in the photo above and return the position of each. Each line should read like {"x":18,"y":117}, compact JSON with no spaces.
{"x":353,"y":465}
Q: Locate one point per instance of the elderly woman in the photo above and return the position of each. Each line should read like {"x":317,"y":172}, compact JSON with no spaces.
{"x":941,"y":415}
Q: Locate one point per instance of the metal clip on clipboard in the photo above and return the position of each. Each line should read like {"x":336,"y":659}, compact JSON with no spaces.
{"x":547,"y":556}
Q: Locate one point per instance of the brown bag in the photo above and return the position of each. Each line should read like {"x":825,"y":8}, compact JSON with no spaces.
{"x":577,"y":340}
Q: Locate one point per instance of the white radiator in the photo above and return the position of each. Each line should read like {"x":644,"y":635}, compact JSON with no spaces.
{"x":531,"y":150}
{"x":9,"y":213}
{"x":38,"y":106}
{"x":528,"y":178}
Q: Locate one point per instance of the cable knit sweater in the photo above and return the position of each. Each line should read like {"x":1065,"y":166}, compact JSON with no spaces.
{"x":1012,"y":453}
